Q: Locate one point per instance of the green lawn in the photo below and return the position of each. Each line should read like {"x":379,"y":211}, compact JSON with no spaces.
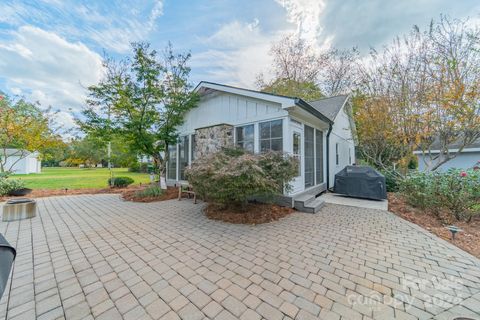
{"x":76,"y":178}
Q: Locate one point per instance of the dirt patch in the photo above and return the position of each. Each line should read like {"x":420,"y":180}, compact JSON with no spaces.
{"x":130,"y":195}
{"x":468,"y":239}
{"x":256,"y":213}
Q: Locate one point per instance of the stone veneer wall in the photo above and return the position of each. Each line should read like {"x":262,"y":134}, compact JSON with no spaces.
{"x":212,"y":139}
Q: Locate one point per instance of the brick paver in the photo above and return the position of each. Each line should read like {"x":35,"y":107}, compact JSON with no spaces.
{"x":95,"y":256}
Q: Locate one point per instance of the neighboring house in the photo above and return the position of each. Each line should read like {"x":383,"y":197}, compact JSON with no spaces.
{"x":21,"y":161}
{"x":467,"y":158}
{"x":317,"y":133}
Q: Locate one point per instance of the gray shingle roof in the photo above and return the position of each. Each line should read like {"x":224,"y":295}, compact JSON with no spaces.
{"x":436,"y":145}
{"x":329,"y":106}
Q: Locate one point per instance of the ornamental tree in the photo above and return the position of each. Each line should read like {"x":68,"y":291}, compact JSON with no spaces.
{"x":144,"y":99}
{"x":24,"y":128}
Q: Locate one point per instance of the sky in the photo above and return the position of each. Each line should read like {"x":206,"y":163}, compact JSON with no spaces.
{"x":51,"y":50}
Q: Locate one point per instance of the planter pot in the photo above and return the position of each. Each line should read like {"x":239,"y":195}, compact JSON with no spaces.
{"x":20,"y":192}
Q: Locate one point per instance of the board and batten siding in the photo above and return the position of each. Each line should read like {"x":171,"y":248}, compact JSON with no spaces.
{"x":218,"y":108}
{"x":341,"y":140}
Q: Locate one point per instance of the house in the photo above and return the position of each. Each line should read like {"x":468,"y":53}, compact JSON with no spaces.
{"x":343,"y":138}
{"x":20,"y":161}
{"x":467,"y":158}
{"x":321,"y":134}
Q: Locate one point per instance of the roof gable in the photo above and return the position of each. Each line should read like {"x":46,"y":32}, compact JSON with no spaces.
{"x":331,"y":106}
{"x":205,"y":87}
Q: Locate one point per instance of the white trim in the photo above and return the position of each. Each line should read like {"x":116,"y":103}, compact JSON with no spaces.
{"x":449,"y":150}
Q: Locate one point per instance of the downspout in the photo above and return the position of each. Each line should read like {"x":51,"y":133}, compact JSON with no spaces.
{"x":330,"y":126}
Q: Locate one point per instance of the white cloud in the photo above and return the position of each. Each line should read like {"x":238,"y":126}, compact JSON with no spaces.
{"x":112,"y":25}
{"x":305,"y":15}
{"x":48,"y":68}
{"x":237,"y":53}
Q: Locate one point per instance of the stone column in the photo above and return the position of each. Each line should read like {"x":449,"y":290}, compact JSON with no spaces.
{"x":213,"y":139}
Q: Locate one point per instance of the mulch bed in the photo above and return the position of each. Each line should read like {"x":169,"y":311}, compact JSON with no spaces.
{"x":130,"y":195}
{"x":40,"y":193}
{"x":468,"y":239}
{"x":256,"y":213}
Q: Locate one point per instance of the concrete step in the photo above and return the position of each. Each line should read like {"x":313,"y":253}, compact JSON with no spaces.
{"x":312,"y":205}
{"x":304,"y":198}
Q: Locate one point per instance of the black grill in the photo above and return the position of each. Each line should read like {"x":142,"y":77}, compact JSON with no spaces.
{"x":361,"y":182}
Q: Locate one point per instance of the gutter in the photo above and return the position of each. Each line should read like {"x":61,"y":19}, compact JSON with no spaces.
{"x":330,"y":127}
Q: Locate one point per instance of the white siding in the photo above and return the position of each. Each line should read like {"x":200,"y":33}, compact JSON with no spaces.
{"x":27,"y":165}
{"x":341,"y":134}
{"x":217,"y":108}
{"x":464,"y":160}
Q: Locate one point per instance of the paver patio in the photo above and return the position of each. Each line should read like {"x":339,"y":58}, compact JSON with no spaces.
{"x":95,"y":256}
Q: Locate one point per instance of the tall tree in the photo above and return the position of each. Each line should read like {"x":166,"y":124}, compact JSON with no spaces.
{"x":338,"y":71}
{"x":295,"y":69}
{"x":143,"y":98}
{"x":24,"y":128}
{"x":428,"y":86}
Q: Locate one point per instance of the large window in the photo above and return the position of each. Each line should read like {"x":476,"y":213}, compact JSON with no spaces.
{"x":271,"y":136}
{"x":309,"y":157}
{"x":172,"y":162}
{"x":318,"y":156}
{"x":245,"y":138}
{"x":183,"y":156}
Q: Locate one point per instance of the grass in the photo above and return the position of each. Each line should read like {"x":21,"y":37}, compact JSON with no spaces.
{"x":77,"y":178}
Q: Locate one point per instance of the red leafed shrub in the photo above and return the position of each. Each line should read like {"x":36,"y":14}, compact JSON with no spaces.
{"x":231,"y":177}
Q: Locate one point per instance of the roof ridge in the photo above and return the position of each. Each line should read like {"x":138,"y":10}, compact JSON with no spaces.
{"x":326,"y":98}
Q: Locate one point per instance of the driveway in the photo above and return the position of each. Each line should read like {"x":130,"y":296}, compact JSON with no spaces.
{"x":95,"y":256}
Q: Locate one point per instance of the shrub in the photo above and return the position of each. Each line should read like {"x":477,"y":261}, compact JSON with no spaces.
{"x":150,"y":192}
{"x":392,"y":180}
{"x":231,"y":177}
{"x":120,"y":182}
{"x":455,"y":191}
{"x":140,"y":167}
{"x":9,"y":185}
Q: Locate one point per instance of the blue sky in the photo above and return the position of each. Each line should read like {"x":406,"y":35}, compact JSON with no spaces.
{"x":50,"y":50}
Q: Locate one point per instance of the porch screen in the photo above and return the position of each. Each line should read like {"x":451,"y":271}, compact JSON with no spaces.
{"x":309,"y":157}
{"x":318,"y":156}
{"x":271,"y":136}
{"x":172,"y":162}
{"x":183,"y":156}
{"x":245,"y":138}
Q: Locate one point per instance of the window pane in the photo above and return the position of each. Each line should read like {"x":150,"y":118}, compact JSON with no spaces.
{"x":248,"y":146}
{"x":319,"y":156}
{"x":297,"y":151}
{"x":245,"y":137}
{"x":248,"y":132}
{"x":264,"y":145}
{"x":277,"y":144}
{"x":273,"y":132}
{"x":309,"y":157}
{"x":264,"y":130}
{"x":172,"y":162}
{"x":296,"y":143}
{"x":240,"y":134}
{"x":183,"y":157}
{"x":276,"y":131}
